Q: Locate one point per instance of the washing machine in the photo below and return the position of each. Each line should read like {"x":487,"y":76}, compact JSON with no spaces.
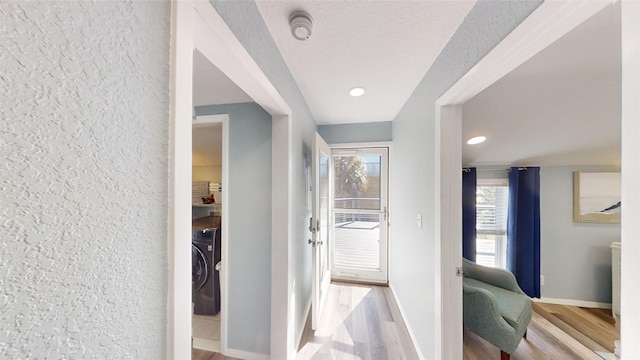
{"x":205,"y":254}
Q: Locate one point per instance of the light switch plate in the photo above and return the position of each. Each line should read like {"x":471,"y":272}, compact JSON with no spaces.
{"x":419,"y":220}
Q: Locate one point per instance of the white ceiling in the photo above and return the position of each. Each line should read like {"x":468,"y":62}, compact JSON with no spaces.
{"x":211,"y":86}
{"x":385,"y":46}
{"x":562,"y":107}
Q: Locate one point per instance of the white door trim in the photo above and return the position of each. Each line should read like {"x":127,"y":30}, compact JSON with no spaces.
{"x":196,"y":24}
{"x":550,"y":21}
{"x":630,"y":30}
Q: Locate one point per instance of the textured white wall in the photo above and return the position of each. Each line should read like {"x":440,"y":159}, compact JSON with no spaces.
{"x":83,"y":187}
{"x":412,"y":248}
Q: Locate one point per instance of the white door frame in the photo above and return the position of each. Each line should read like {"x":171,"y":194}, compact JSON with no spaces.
{"x":366,"y":276}
{"x":196,"y":24}
{"x":320,"y":278}
{"x":550,"y":21}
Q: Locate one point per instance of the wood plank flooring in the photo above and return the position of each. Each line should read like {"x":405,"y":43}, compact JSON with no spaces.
{"x":594,"y":328}
{"x":358,"y":322}
{"x":555,"y":332}
{"x":544,"y":341}
{"x":364,"y":322}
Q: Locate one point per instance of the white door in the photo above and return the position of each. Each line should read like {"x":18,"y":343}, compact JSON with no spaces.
{"x":359,"y":241}
{"x":319,"y":226}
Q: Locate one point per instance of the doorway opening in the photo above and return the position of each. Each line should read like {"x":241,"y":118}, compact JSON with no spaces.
{"x":196,"y":25}
{"x":360,"y":214}
{"x":548,"y":23}
{"x":209,"y":167}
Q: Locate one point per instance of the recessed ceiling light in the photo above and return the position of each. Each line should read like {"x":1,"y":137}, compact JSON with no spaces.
{"x":476,"y":140}
{"x":357,"y":91}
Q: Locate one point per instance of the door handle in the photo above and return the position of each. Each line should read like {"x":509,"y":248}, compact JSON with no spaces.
{"x":311,"y":228}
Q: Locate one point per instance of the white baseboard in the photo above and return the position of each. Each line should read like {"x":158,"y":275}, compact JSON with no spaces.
{"x":570,"y":302}
{"x":300,"y":331}
{"x":247,"y":355}
{"x":407,"y":324}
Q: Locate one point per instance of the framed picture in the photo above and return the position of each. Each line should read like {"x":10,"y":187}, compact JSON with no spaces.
{"x":596,"y":197}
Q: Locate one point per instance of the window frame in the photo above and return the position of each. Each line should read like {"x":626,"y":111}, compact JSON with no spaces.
{"x":500,"y":234}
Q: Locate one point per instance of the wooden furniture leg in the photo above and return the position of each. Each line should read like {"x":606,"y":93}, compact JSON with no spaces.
{"x":504,"y":355}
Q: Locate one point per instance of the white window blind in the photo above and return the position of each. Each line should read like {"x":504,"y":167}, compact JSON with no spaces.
{"x":492,"y":198}
{"x":491,"y":208}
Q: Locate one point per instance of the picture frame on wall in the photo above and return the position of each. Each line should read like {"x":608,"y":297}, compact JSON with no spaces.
{"x":596,"y":197}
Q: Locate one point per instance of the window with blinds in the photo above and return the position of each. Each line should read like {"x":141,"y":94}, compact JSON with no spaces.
{"x":491,"y":222}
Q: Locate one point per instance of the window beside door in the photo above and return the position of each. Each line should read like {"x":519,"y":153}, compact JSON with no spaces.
{"x":491,"y":222}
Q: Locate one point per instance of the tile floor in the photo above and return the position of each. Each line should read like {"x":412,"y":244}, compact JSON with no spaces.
{"x":206,"y":332}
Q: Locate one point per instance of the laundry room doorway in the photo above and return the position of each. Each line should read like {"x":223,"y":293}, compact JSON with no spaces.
{"x":209,"y":168}
{"x":245,"y":269}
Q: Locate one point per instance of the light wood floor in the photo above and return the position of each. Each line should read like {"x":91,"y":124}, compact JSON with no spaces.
{"x":358,"y":322}
{"x":594,"y":328}
{"x":364,"y":322}
{"x":555,"y":332}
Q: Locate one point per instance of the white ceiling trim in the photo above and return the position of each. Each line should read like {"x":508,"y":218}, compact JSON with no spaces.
{"x":550,"y":21}
{"x":240,"y":68}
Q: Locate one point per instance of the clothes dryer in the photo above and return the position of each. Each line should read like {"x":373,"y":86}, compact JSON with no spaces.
{"x":205,"y":254}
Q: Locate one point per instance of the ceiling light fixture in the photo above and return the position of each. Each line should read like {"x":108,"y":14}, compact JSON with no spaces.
{"x":476,"y":140}
{"x":301,"y":25}
{"x":357,"y":91}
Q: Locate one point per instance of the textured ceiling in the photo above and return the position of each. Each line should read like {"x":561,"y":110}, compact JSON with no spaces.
{"x":385,"y":46}
{"x":562,"y":107}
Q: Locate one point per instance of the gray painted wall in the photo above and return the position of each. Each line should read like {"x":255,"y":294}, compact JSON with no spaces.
{"x":249,"y":234}
{"x":355,"y":133}
{"x":244,"y":19}
{"x":412,"y":248}
{"x":575,"y":257}
{"x":83,"y":188}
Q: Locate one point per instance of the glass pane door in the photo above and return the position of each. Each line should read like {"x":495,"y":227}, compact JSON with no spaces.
{"x":360,"y":214}
{"x":320,"y":226}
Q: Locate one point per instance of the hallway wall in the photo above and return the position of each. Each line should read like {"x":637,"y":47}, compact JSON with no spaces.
{"x":412,"y":248}
{"x":84,"y":104}
{"x":244,"y":19}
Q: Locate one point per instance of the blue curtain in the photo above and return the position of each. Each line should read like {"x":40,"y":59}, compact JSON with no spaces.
{"x":469,"y":213}
{"x":523,"y":228}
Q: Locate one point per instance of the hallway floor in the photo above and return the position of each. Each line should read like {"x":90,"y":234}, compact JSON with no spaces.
{"x":358,"y":322}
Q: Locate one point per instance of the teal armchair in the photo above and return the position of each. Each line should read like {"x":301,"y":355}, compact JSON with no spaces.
{"x":494,"y":306}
